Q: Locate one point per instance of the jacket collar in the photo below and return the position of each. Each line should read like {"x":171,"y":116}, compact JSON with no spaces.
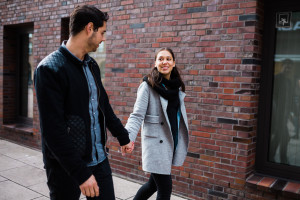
{"x":71,"y":57}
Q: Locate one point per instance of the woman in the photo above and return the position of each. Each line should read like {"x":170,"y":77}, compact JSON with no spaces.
{"x":160,"y":108}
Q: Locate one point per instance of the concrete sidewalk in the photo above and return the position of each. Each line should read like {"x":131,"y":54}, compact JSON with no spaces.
{"x":22,"y":176}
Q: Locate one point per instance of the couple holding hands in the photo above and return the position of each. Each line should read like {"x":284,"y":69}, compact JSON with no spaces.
{"x":74,"y":112}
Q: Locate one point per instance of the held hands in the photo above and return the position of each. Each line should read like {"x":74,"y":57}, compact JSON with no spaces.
{"x":128,"y":148}
{"x":90,"y":187}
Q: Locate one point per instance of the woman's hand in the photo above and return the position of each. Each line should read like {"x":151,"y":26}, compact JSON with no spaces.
{"x":128,"y":148}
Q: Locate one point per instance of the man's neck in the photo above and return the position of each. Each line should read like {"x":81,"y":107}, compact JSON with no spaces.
{"x":76,"y":46}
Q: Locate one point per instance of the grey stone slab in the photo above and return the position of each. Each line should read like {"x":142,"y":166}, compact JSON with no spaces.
{"x":2,"y":178}
{"x":35,"y":161}
{"x":153,"y":197}
{"x":19,"y":152}
{"x":125,"y":189}
{"x":173,"y":197}
{"x":6,"y":144}
{"x":10,"y":191}
{"x":41,"y":188}
{"x":42,"y":198}
{"x":9,"y":163}
{"x":25,"y":175}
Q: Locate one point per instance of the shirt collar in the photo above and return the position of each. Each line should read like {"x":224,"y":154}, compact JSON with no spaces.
{"x":86,"y":59}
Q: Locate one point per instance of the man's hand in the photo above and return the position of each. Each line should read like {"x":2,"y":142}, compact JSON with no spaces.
{"x":128,"y":148}
{"x":90,"y":187}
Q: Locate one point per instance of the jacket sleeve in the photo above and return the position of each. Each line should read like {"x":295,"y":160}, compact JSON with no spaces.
{"x":50,"y":98}
{"x":136,"y":118}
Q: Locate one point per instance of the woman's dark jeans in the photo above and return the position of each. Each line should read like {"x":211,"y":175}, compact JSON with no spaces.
{"x":157,"y":182}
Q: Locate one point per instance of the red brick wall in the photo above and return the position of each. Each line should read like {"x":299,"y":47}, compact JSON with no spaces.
{"x":218,"y":48}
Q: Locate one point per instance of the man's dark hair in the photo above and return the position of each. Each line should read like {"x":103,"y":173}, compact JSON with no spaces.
{"x":82,"y":15}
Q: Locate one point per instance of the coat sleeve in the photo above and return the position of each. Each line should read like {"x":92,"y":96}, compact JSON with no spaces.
{"x":50,"y":98}
{"x":137,"y":117}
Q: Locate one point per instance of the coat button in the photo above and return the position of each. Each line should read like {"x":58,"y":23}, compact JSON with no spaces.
{"x":161,"y":123}
{"x":161,"y":141}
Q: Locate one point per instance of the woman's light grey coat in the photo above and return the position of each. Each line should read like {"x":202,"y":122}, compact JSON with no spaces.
{"x":150,"y":111}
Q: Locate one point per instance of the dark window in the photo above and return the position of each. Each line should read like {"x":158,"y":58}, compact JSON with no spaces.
{"x":64,"y":29}
{"x":18,"y":74}
{"x":278,"y":144}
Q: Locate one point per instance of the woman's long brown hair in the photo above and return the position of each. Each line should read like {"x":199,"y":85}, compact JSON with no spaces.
{"x":155,"y":79}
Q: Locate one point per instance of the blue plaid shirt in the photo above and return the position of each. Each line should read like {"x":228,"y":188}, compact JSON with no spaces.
{"x":98,"y":153}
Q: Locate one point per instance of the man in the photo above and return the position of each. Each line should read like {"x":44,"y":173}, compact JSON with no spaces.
{"x":75,"y":111}
{"x":284,"y":112}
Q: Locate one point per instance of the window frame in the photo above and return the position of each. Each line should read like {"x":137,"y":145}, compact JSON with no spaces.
{"x":265,"y":100}
{"x":12,"y":72}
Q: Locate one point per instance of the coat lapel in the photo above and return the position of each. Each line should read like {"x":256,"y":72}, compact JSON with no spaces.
{"x":164,"y":105}
{"x":182,"y":107}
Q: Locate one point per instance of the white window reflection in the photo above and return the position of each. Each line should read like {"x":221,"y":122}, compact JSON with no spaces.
{"x":100,"y":56}
{"x":285,"y":131}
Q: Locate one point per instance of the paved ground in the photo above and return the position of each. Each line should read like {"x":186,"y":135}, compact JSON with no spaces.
{"x":22,"y":176}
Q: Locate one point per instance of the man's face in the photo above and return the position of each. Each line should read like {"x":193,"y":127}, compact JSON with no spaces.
{"x":288,"y":68}
{"x":96,"y":38}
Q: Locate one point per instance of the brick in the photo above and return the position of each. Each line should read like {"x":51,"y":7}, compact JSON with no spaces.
{"x":265,"y":183}
{"x":193,"y":155}
{"x":223,"y":79}
{"x":201,"y":134}
{"x":166,"y":39}
{"x":126,"y":2}
{"x":197,"y":9}
{"x":138,"y":25}
{"x":218,"y":194}
{"x":232,"y":18}
{"x":230,"y":61}
{"x":251,"y":61}
{"x":292,"y":187}
{"x":228,"y":6}
{"x":248,"y":4}
{"x":227,"y":121}
{"x":214,"y":55}
{"x":279,"y":185}
{"x":191,"y":5}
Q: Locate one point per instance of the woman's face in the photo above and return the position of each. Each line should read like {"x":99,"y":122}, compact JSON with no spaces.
{"x":164,"y":63}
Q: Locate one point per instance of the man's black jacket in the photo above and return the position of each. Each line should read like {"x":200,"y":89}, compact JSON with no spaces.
{"x":63,"y":101}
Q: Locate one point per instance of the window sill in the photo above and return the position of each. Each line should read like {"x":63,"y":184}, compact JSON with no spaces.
{"x":282,"y":187}
{"x":25,"y":128}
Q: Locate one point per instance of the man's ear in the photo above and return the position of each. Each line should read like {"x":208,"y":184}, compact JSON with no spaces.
{"x":89,"y":28}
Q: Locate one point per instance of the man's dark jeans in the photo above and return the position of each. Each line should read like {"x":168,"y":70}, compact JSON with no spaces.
{"x":64,"y":187}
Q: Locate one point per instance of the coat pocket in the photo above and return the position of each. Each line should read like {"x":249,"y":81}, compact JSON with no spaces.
{"x":151,"y":123}
{"x":76,"y":130}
